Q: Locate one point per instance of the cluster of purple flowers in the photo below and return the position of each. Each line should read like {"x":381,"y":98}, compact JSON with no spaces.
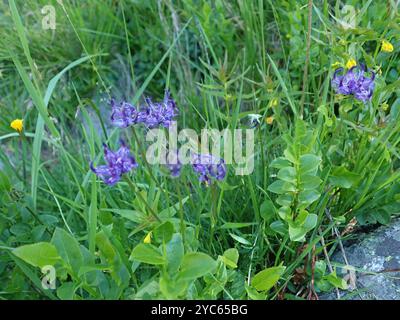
{"x":118,"y":163}
{"x":207,"y":166}
{"x":354,"y":82}
{"x":152,"y":115}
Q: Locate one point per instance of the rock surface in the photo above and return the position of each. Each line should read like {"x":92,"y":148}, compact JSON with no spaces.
{"x":376,"y":257}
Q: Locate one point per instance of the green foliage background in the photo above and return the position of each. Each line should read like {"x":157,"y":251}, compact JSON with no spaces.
{"x":324,"y":160}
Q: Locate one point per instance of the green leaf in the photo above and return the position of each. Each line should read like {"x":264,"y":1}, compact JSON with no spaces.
{"x":343,"y":178}
{"x":297,"y":233}
{"x":279,"y":227}
{"x":308,"y":196}
{"x":281,"y":187}
{"x":230,"y":258}
{"x":236,"y":225}
{"x":38,"y":254}
{"x":240,"y":239}
{"x":383,"y":216}
{"x":266,"y":279}
{"x":66,"y":291}
{"x":285,"y":213}
{"x":309,"y":164}
{"x":196,"y":265}
{"x":290,"y":155}
{"x":287,"y":174}
{"x":68,"y":248}
{"x":106,"y":247}
{"x":163,"y":233}
{"x":132,"y":215}
{"x":147,"y":253}
{"x":285,"y":200}
{"x":309,"y":182}
{"x":175,"y":251}
{"x":4,"y":182}
{"x":267,"y":210}
{"x":280,"y":163}
{"x":336,"y":281}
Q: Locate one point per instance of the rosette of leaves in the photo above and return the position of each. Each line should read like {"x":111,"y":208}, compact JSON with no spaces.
{"x":297,"y":184}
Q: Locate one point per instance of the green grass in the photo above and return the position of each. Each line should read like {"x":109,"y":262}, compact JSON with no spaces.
{"x":248,"y":237}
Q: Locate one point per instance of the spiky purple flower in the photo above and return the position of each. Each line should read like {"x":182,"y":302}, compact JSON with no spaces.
{"x":207,"y":166}
{"x":354,"y":82}
{"x":118,"y":163}
{"x":156,"y":114}
{"x":123,"y":114}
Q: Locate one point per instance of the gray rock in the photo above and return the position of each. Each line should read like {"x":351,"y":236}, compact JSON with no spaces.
{"x":376,"y":258}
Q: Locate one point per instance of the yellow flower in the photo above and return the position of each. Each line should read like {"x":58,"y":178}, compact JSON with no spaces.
{"x":336,"y":65}
{"x":147,"y":238}
{"x":274,"y":102}
{"x":385,"y":107}
{"x":269,"y":120}
{"x":351,"y":63}
{"x":17,"y":125}
{"x":386,"y":46}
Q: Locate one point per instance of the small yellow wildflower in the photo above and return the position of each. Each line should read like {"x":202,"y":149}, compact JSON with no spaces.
{"x":336,"y":65}
{"x":269,"y":120}
{"x":385,"y":107}
{"x":351,"y":63}
{"x":386,"y":46}
{"x":274,"y":102}
{"x":147,"y":238}
{"x":17,"y":125}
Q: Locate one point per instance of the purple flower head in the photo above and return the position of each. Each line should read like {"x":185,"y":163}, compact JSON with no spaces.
{"x":173,"y":163}
{"x":123,"y":114}
{"x":208,"y":166}
{"x":365,"y":88}
{"x":118,"y":163}
{"x":156,"y":114}
{"x":354,"y":82}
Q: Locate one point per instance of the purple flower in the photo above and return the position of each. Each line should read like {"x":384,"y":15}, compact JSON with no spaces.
{"x":365,"y":88}
{"x":118,"y":163}
{"x":156,"y":114}
{"x":123,"y":114}
{"x":208,"y":166}
{"x":354,"y":82}
{"x":173,"y":164}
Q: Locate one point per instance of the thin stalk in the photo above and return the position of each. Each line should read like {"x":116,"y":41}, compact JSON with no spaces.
{"x":308,"y":45}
